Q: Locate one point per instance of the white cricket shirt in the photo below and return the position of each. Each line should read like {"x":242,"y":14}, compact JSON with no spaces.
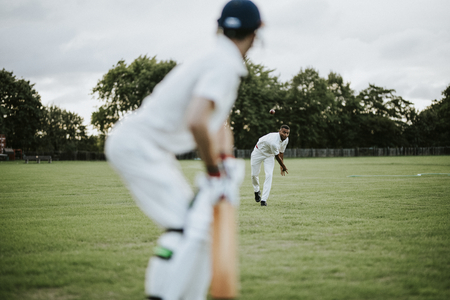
{"x":271,"y":144}
{"x":215,"y":76}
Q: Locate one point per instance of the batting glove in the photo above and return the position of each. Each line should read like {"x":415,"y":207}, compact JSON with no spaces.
{"x":234,"y":170}
{"x":211,"y":187}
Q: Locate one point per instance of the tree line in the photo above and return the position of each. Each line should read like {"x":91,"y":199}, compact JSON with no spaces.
{"x":321,"y":112}
{"x":31,"y":126}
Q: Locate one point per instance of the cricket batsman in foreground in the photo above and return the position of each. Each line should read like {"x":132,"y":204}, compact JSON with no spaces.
{"x":187,"y":111}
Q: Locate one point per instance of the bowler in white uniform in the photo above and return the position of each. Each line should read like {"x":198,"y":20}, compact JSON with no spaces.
{"x":269,"y":147}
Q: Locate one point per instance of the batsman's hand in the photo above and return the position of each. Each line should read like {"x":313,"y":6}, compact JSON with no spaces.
{"x":226,"y":185}
{"x":211,"y":187}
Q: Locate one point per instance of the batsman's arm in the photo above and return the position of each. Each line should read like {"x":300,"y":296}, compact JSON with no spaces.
{"x":198,"y":115}
{"x":224,"y":282}
{"x":225,"y":140}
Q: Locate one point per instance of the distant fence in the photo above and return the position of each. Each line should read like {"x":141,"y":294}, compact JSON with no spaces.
{"x":352,"y":152}
{"x":76,"y":155}
{"x":289,"y":153}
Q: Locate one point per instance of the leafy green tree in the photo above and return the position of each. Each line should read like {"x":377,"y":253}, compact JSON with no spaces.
{"x":124,"y":87}
{"x":309,"y":109}
{"x":62,"y":130}
{"x":431,"y":127}
{"x":443,"y":113}
{"x":91,"y":143}
{"x":344,"y":114}
{"x":384,"y":117}
{"x":325,"y":113}
{"x":258,"y":93}
{"x":20,"y":111}
{"x":423,"y":131}
{"x":321,"y":112}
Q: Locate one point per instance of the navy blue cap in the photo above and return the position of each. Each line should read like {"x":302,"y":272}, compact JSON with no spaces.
{"x":240,"y":14}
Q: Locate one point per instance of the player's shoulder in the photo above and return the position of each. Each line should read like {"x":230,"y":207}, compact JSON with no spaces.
{"x":268,"y":135}
{"x":227,"y":55}
{"x":213,"y":62}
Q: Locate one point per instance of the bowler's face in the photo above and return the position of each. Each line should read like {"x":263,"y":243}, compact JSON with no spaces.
{"x":284,"y":133}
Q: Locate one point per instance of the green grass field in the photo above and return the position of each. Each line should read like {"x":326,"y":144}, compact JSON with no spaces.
{"x":70,"y":230}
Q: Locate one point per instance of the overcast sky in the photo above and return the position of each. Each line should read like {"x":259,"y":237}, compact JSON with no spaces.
{"x":65,"y":47}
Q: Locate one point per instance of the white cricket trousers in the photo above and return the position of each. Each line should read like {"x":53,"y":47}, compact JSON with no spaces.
{"x":157,"y":184}
{"x":256,"y":160}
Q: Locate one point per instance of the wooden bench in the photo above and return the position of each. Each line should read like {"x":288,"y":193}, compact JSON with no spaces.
{"x":38,"y":158}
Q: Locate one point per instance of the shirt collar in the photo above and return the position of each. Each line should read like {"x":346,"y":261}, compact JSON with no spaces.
{"x":279,"y":138}
{"x":227,"y":45}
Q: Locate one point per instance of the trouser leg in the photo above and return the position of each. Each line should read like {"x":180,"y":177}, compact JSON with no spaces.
{"x":256,"y":160}
{"x":157,"y":275}
{"x":191,"y":268}
{"x":199,"y":284}
{"x":153,"y":177}
{"x":268,"y":169}
{"x":160,"y":190}
{"x":185,"y":272}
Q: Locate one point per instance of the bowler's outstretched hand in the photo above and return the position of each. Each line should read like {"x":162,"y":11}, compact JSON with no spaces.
{"x":283,"y":171}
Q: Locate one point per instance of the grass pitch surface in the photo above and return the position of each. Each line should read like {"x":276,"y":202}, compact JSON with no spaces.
{"x":70,"y":230}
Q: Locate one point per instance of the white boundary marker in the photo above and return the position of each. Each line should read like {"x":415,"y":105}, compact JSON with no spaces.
{"x":448,"y":174}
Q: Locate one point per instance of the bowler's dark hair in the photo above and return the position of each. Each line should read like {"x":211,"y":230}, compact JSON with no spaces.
{"x":285,"y":127}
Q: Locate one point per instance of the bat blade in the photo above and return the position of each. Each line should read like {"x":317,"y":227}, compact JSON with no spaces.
{"x":224,"y":284}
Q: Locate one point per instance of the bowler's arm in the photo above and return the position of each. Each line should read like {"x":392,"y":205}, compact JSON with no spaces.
{"x":279,"y":157}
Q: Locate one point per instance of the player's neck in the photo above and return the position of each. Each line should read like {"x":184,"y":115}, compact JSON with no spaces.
{"x":245,"y":44}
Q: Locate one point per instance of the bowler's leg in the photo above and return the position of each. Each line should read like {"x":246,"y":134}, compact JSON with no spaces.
{"x":256,"y":160}
{"x":269,"y":164}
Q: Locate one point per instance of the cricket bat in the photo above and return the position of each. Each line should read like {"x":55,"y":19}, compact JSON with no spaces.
{"x":224,"y":284}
